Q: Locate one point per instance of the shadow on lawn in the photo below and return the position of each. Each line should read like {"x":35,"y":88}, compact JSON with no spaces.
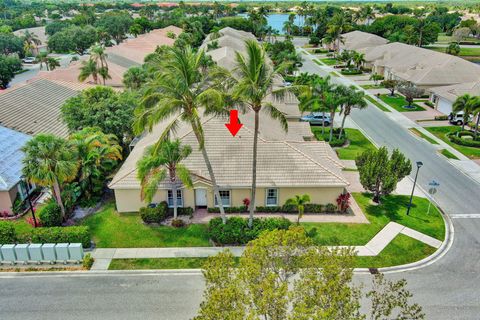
{"x":394,"y":207}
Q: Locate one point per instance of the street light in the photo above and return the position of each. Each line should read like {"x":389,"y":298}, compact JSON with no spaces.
{"x":419,"y":165}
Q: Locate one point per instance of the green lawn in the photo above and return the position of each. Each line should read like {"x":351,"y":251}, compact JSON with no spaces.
{"x":358,"y":143}
{"x":398,"y":102}
{"x":334,"y":74}
{"x":392,"y":208}
{"x":448,"y":154}
{"x":371,"y":86}
{"x":441,"y":132}
{"x":464,"y":52}
{"x":416,"y":132}
{"x":159,"y":263}
{"x":401,"y":250}
{"x":111,"y":229}
{"x":377,"y":104}
{"x":329,"y":61}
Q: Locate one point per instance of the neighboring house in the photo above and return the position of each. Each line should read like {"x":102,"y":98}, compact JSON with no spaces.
{"x":41,"y":35}
{"x":34,"y":107}
{"x":357,"y":40}
{"x":444,"y":97}
{"x":287,"y":165}
{"x":120,"y":58}
{"x":288,"y":162}
{"x":11,"y":143}
{"x":423,"y":67}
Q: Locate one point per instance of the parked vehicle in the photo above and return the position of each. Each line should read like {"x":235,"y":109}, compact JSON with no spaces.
{"x":29,"y":60}
{"x":457,"y":118}
{"x":317,"y":118}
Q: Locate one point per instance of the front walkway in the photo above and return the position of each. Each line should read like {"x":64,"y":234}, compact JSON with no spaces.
{"x":103,"y":257}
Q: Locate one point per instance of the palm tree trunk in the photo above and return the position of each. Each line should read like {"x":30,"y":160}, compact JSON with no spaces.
{"x":332,"y":116}
{"x":174,"y":197}
{"x":216,"y":191}
{"x":58,"y":196}
{"x":476,"y":126}
{"x":343,"y":124}
{"x":323,"y":123}
{"x":254,"y":171}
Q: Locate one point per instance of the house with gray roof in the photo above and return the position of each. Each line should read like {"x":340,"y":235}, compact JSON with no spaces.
{"x":11,"y":143}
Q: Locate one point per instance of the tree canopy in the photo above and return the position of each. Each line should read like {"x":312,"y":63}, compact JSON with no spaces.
{"x":73,"y":39}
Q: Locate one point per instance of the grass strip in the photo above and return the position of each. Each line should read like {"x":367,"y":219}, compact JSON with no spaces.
{"x":448,"y":154}
{"x":377,"y":104}
{"x":417,"y":132}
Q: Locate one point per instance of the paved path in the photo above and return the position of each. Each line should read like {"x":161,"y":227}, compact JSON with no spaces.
{"x":103,"y":257}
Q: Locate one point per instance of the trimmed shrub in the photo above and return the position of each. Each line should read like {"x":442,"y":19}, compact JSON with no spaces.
{"x":429,"y":103}
{"x":8,"y":234}
{"x":88,"y":261}
{"x":241,"y":209}
{"x":330,"y":208}
{"x":441,"y":118}
{"x":457,"y":137}
{"x":178,"y":223}
{"x":50,"y":215}
{"x":153,"y":215}
{"x":187,"y":211}
{"x":76,"y":234}
{"x":351,"y":72}
{"x":236,"y":230}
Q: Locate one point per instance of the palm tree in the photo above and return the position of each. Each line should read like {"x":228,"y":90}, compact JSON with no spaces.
{"x":353,"y":99}
{"x":160,"y":160}
{"x":98,"y":154}
{"x":135,"y":77}
{"x":178,"y":94}
{"x":464,"y":104}
{"x":254,"y":85}
{"x":30,"y":41}
{"x":42,"y":58}
{"x":475,"y":106}
{"x":358,"y":59}
{"x":97,"y":54}
{"x":89,"y":68}
{"x":52,"y":63}
{"x":336,"y":27}
{"x":50,"y":161}
{"x":299,"y":202}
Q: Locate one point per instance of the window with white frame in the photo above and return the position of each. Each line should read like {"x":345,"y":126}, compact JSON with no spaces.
{"x":179,"y":198}
{"x":272,"y":197}
{"x":225,"y":196}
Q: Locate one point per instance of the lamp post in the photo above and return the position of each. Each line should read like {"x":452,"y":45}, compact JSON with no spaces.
{"x":419,"y":165}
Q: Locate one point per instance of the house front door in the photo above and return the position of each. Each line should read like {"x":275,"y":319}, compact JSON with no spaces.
{"x":201,"y":197}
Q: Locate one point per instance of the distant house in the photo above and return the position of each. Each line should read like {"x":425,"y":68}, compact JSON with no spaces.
{"x":444,"y":97}
{"x":11,"y":187}
{"x":357,"y":40}
{"x":41,"y":35}
{"x":423,"y":67}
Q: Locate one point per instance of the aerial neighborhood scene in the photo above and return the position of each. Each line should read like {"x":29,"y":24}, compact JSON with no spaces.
{"x":239,"y":160}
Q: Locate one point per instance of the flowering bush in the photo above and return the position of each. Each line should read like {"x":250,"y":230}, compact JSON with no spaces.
{"x":343,"y":202}
{"x":246,"y":202}
{"x":31,"y":222}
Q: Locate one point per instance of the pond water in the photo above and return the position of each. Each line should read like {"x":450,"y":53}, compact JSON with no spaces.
{"x":277,"y":20}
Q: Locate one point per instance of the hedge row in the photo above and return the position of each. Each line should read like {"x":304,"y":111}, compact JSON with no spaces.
{"x":161,"y":212}
{"x":237,"y":232}
{"x":456,"y":137}
{"x":76,"y":234}
{"x":309,"y":208}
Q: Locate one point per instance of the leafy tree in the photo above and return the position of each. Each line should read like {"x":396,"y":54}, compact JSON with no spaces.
{"x":159,"y":161}
{"x":73,"y":38}
{"x":98,"y":155}
{"x":117,"y":24}
{"x":299,"y":202}
{"x":282,"y":275}
{"x":453,"y":48}
{"x":460,"y":34}
{"x":254,"y":85}
{"x":10,"y":44}
{"x":135,"y":29}
{"x":380,"y":173}
{"x":9,"y":65}
{"x":391,"y":85}
{"x":135,"y":77}
{"x":410,"y":91}
{"x":179,"y":93}
{"x":56,"y":26}
{"x":50,"y":161}
{"x":103,"y":108}
{"x":6,"y":29}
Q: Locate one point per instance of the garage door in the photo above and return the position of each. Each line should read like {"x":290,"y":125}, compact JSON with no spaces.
{"x":444,"y":106}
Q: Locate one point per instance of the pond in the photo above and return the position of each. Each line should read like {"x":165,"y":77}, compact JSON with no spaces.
{"x":277,"y":20}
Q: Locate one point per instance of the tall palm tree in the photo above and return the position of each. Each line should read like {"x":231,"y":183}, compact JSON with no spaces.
{"x":353,"y":99}
{"x":50,"y":161}
{"x":464,"y":104}
{"x":358,"y":59}
{"x":97,"y":54}
{"x":338,"y":25}
{"x":254,"y":84}
{"x":98,"y":154}
{"x":159,"y":161}
{"x":89,"y":68}
{"x":30,"y":41}
{"x":475,"y":106}
{"x":42,"y":58}
{"x":178,"y":94}
{"x":299,"y":202}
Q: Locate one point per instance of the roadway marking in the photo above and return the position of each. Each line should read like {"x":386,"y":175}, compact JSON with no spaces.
{"x":465,"y":216}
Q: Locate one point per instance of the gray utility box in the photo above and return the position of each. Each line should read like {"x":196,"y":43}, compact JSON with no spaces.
{"x":8,"y":253}
{"x":75,"y":251}
{"x":48,"y":251}
{"x":35,"y":250}
{"x":61,"y":249}
{"x":21,"y":251}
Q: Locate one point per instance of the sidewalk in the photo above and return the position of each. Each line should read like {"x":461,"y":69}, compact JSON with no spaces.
{"x":103,"y":257}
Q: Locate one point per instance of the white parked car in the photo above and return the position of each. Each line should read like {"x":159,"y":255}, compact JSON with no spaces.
{"x":457,"y":118}
{"x":29,"y":60}
{"x":317,"y":118}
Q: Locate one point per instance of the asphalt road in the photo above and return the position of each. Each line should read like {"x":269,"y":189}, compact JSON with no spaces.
{"x":448,"y":289}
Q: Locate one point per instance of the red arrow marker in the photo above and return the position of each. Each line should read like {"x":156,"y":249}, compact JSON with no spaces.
{"x":233,"y":126}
